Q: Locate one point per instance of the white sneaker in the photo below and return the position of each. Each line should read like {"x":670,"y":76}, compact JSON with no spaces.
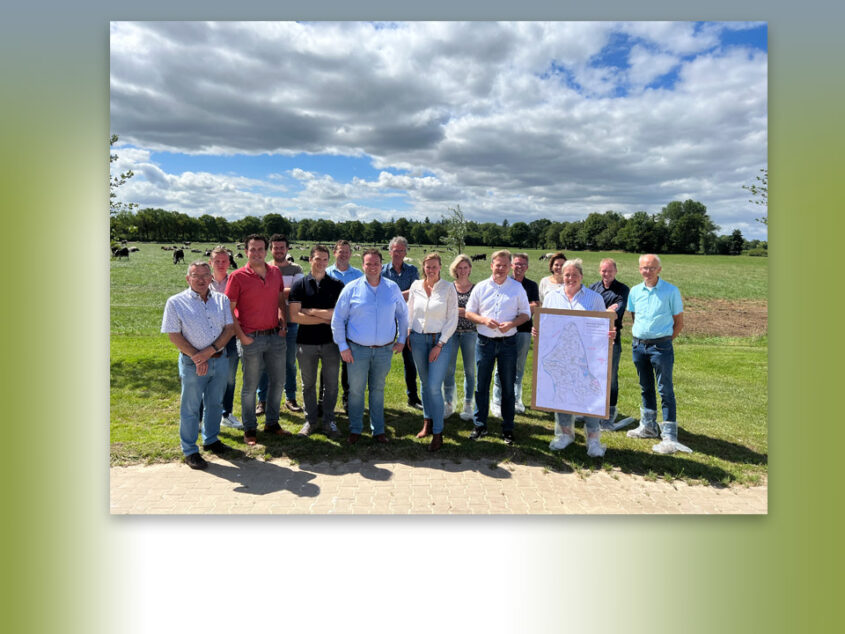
{"x":231,"y":421}
{"x":467,"y":413}
{"x":448,"y":410}
{"x":561,"y":442}
{"x":519,"y":408}
{"x":495,"y":410}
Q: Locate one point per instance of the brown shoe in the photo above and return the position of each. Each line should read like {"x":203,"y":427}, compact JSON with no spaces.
{"x":276,"y":429}
{"x":436,"y":442}
{"x":249,"y":437}
{"x":353,"y":438}
{"x":380,"y":438}
{"x":426,"y":428}
{"x":259,"y":409}
{"x":292,"y":405}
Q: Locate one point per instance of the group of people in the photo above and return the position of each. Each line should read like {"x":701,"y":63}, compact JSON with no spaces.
{"x":339,"y":320}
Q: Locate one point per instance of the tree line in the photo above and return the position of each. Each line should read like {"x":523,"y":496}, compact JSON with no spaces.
{"x":680,"y":227}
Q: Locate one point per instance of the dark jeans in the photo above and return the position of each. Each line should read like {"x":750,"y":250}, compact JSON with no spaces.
{"x":410,"y":375}
{"x":489,"y":353}
{"x":310,"y":357}
{"x":656,"y":360}
{"x":614,"y":372}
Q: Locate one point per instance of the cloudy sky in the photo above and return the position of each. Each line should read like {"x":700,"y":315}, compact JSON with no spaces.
{"x":519,"y":120}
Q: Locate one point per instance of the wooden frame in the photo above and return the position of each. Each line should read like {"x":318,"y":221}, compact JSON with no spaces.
{"x":541,"y":344}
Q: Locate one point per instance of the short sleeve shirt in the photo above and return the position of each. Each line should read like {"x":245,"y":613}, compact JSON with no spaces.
{"x":256,"y":300}
{"x":200,"y":322}
{"x":654,"y":309}
{"x":310,"y":294}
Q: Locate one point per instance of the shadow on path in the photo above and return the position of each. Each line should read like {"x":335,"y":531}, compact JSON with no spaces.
{"x":257,"y":477}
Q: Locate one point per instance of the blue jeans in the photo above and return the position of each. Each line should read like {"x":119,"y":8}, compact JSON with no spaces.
{"x":488,"y":353}
{"x":652,"y":360}
{"x":465,"y":342}
{"x":523,"y":344}
{"x":431,"y":375}
{"x":368,"y":370}
{"x":229,"y":395}
{"x":290,"y":368}
{"x":206,"y":391}
{"x":614,"y":372}
{"x":267,"y":352}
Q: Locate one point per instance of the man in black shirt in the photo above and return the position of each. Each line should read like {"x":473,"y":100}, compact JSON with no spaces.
{"x":311,"y":303}
{"x":519,"y":267}
{"x":615,"y":296}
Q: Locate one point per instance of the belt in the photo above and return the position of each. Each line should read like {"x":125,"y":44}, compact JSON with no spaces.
{"x":363,"y":346}
{"x":637,"y":341}
{"x":435,"y":336}
{"x":495,"y":338}
{"x":255,"y":333}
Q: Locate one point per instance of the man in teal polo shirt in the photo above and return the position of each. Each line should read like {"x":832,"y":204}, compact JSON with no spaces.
{"x":658,"y":313}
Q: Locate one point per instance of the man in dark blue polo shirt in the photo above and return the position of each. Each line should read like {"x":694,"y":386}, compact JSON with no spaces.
{"x":311,"y":303}
{"x":404,"y":274}
{"x":615,"y":296}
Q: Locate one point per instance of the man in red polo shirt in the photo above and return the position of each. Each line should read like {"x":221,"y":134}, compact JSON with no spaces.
{"x":256,"y":294}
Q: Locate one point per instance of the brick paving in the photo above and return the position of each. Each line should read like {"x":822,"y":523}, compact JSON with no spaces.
{"x":428,"y":487}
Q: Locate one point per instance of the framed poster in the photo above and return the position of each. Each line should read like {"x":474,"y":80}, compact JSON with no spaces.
{"x":572,"y":361}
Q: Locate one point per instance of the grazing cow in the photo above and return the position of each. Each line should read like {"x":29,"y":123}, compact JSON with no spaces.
{"x":290,"y":258}
{"x":548,"y":256}
{"x":232,"y":263}
{"x":240,"y":255}
{"x":187,"y":244}
{"x":303,"y":258}
{"x":208,"y":253}
{"x":479,"y":256}
{"x":178,"y":256}
{"x":134,"y":249}
{"x":120,"y":253}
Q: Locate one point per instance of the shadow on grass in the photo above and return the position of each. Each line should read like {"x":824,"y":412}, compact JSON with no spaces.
{"x":723,"y":449}
{"x":152,"y":375}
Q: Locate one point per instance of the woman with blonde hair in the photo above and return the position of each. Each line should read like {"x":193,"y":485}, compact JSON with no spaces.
{"x":432,"y":319}
{"x":465,"y":338}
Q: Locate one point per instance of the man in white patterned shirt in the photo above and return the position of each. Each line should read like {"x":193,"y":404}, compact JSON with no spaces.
{"x":199,"y":323}
{"x":497,"y":305}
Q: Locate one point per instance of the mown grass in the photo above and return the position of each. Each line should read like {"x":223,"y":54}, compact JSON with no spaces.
{"x":721,"y":387}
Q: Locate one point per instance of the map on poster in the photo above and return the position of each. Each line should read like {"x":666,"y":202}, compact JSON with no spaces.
{"x":572,"y":361}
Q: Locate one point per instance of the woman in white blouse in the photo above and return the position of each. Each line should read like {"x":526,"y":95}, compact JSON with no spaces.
{"x":432,"y":319}
{"x":555,"y":280}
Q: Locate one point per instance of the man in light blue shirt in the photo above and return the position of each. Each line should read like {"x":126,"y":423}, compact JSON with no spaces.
{"x":369,"y":325}
{"x":341,"y":270}
{"x":658,"y":313}
{"x":199,"y":323}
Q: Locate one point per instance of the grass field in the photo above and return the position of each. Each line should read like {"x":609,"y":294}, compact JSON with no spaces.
{"x":720,"y":383}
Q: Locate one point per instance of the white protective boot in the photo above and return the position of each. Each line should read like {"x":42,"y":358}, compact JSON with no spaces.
{"x":594,"y":447}
{"x":648,"y":425}
{"x":469,"y":408}
{"x":669,"y":443}
{"x":564,"y":432}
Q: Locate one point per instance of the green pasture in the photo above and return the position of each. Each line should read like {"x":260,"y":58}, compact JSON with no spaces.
{"x":721,"y":385}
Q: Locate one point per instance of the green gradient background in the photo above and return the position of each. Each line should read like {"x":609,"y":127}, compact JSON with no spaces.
{"x":67,"y":564}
